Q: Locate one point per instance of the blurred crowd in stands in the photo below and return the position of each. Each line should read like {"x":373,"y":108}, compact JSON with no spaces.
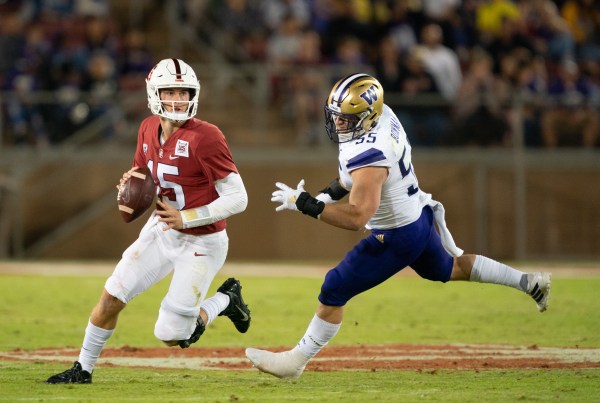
{"x":65,"y":63}
{"x":457,"y":72}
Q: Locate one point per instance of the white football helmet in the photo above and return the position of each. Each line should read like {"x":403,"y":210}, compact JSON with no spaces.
{"x":356,"y":103}
{"x":172,"y":73}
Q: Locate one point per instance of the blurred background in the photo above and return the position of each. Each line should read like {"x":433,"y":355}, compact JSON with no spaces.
{"x":500,"y":100}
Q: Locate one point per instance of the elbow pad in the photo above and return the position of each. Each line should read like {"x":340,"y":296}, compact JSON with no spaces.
{"x":335,"y":190}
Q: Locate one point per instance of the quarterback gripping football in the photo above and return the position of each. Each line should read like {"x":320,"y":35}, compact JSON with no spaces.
{"x":136,"y":194}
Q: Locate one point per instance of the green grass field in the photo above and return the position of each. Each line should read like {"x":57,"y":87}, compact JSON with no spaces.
{"x":52,"y":311}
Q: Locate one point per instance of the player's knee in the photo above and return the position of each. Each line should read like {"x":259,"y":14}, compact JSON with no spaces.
{"x":330,"y":289}
{"x":461,"y":269}
{"x":119,"y":288}
{"x":167,"y":334}
{"x":171,"y":326}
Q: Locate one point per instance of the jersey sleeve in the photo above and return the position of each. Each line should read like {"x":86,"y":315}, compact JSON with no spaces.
{"x":138,"y":158}
{"x":369,"y":157}
{"x":144,"y":138}
{"x":216,"y":156}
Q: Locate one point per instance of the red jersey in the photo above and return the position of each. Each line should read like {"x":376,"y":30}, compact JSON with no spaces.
{"x":187,"y":165}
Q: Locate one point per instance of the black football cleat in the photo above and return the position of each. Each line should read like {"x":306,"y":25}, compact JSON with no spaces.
{"x":72,"y":375}
{"x":237,"y":310}
{"x":200,"y":328}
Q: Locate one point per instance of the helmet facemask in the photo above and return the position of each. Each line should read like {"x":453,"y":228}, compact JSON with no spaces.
{"x":172,"y":74}
{"x":348,"y":128}
{"x":167,"y":109}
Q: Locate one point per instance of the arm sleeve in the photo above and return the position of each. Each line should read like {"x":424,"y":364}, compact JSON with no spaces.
{"x":232,"y":199}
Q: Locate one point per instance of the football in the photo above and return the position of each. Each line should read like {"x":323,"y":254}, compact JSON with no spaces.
{"x":136,"y":194}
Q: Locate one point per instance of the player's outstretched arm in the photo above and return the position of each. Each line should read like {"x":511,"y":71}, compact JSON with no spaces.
{"x":363,"y":200}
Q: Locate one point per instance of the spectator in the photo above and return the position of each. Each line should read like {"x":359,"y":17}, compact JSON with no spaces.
{"x":275,"y":11}
{"x":490,"y":17}
{"x":442,"y":13}
{"x":307,"y":83}
{"x":549,"y":30}
{"x":402,"y":28}
{"x":388,"y":64}
{"x":12,"y":41}
{"x":282,"y":48}
{"x":26,"y":121}
{"x":349,"y":56}
{"x":532,"y":91}
{"x":341,"y":24}
{"x":441,"y":61}
{"x":101,"y":85}
{"x":583,"y":19}
{"x":570,"y":120}
{"x":426,"y":125}
{"x":134,"y":62}
{"x":509,"y":40}
{"x":26,"y":54}
{"x":284,"y":44}
{"x":100,"y":34}
{"x":477,"y":112}
{"x":96,"y":8}
{"x":234,"y":19}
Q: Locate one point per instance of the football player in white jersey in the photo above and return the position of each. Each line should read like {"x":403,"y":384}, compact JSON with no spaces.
{"x":407,"y":226}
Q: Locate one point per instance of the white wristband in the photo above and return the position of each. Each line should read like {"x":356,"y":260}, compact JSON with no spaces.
{"x":196,"y":217}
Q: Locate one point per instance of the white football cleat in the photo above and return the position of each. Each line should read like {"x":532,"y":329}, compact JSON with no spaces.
{"x":538,"y":286}
{"x":286,"y":365}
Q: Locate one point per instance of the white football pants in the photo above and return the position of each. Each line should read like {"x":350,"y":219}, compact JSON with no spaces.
{"x":194,"y":261}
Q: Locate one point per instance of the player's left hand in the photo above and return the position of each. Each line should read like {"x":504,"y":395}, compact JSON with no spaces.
{"x":169,"y":215}
{"x":287,"y":196}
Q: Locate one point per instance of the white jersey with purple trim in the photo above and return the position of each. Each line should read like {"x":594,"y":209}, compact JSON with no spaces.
{"x":385,"y":145}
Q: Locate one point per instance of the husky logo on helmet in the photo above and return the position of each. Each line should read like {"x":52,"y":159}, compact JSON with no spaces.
{"x":172,"y":73}
{"x":353,"y":107}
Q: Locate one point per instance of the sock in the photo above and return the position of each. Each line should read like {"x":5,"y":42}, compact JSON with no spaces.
{"x":486,"y":270}
{"x":317,"y":336}
{"x":214,"y":305}
{"x":93,"y":343}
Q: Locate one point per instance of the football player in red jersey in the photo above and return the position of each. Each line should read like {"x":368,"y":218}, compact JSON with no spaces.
{"x":199,"y":188}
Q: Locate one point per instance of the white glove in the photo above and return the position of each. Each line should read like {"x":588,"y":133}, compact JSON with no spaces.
{"x":287,"y":196}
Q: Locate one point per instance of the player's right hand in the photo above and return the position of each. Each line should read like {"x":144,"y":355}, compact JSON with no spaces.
{"x":287,"y":196}
{"x":126,"y":175}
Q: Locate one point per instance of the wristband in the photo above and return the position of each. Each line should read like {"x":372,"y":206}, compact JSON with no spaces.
{"x":196,"y":217}
{"x":309,"y":205}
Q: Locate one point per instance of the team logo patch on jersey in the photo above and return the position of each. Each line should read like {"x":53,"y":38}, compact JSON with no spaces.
{"x":182,"y":148}
{"x":145,"y":148}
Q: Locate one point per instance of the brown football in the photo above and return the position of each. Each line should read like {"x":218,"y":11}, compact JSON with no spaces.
{"x":136,"y":194}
